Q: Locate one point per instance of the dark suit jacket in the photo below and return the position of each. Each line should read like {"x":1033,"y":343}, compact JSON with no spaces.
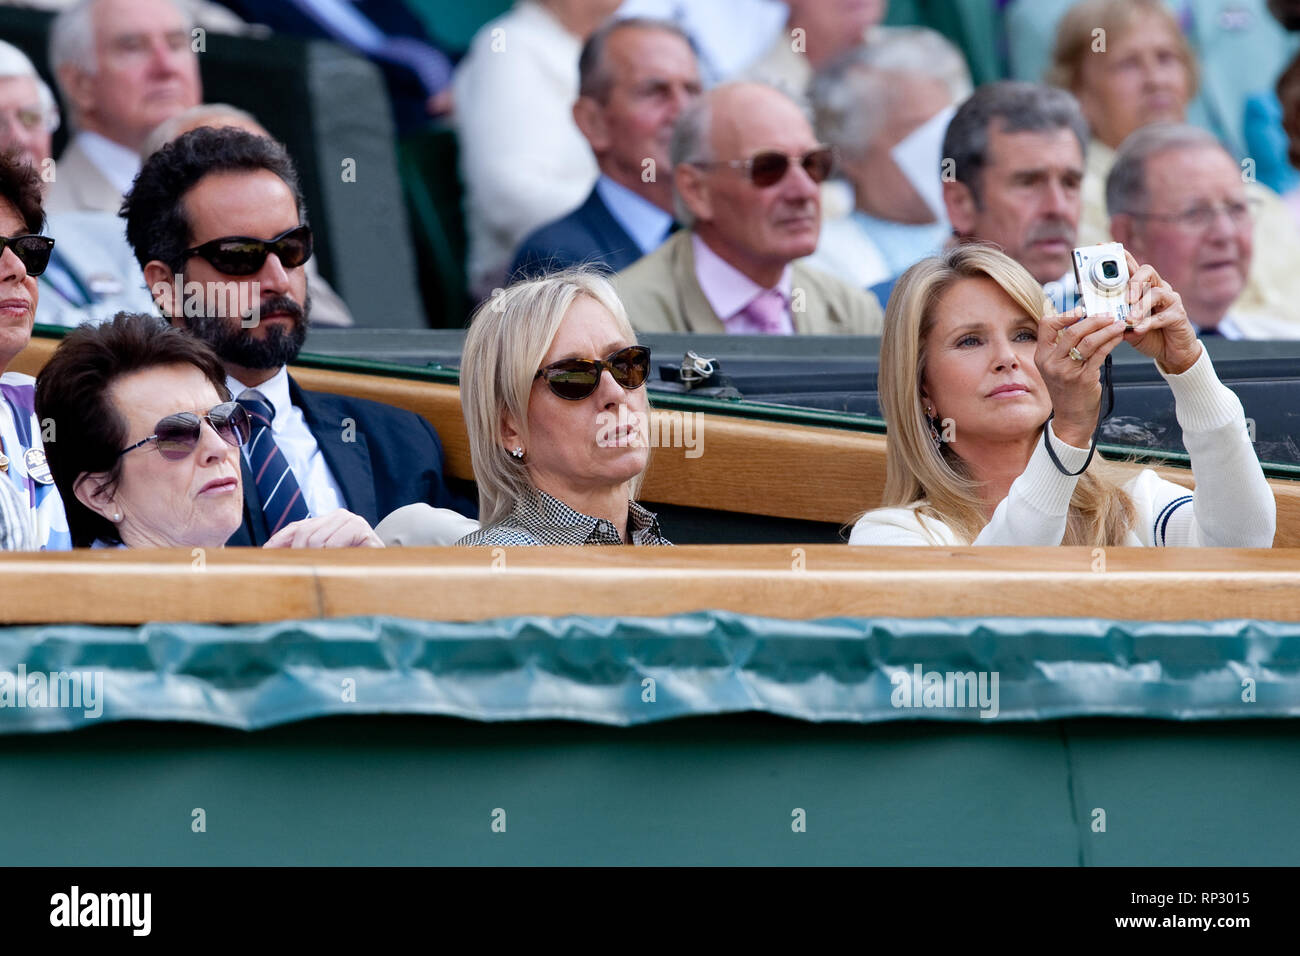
{"x":588,"y":235}
{"x":394,"y":458}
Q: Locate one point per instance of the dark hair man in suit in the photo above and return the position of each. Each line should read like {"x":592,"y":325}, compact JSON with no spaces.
{"x":310,"y":452}
{"x":635,"y":77}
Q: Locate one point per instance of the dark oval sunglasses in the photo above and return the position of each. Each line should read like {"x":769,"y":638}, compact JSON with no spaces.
{"x":243,"y":255}
{"x":769,"y":167}
{"x":178,"y":435}
{"x":576,"y":378}
{"x":32,"y":251}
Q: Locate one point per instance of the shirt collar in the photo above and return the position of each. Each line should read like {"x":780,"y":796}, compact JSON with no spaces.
{"x":727,"y":289}
{"x":276,"y":391}
{"x":551,"y":521}
{"x":1229,"y":329}
{"x":118,"y":163}
{"x":645,"y":222}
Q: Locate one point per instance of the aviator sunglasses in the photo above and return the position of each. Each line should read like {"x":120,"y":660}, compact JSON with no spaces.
{"x":769,"y":167}
{"x":576,"y":378}
{"x":243,"y":255}
{"x":178,"y":435}
{"x":32,"y":251}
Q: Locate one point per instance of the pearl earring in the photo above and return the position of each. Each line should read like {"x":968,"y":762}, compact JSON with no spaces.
{"x":117,"y":516}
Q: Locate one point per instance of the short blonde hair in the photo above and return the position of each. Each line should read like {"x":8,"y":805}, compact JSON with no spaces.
{"x":1100,"y":512}
{"x":509,"y":335}
{"x":1075,"y":35}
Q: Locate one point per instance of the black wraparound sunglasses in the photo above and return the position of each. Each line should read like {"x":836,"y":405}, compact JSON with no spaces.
{"x":32,"y":251}
{"x":178,"y":435}
{"x":576,"y":378}
{"x":244,"y":255}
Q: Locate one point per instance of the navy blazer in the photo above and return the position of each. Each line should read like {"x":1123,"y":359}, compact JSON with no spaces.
{"x":382,"y":458}
{"x":587,"y":236}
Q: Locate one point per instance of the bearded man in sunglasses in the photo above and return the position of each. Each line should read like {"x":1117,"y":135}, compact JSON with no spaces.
{"x":746,"y":173}
{"x":217,"y":222}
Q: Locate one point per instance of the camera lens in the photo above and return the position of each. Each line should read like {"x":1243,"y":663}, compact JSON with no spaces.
{"x":1110,"y":269}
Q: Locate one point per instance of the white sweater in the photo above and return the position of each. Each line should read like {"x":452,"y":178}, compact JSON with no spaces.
{"x":1232,"y":507}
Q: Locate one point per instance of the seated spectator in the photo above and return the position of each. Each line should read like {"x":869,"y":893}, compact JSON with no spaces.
{"x":552,"y":384}
{"x":522,"y":159}
{"x":24,"y":253}
{"x":991,"y":399}
{"x":1288,"y":93}
{"x":1147,"y":74}
{"x":746,"y":169}
{"x":217,"y":223}
{"x":867,"y":103}
{"x":89,"y":276}
{"x":134,"y":462}
{"x":727,"y":35}
{"x":418,"y":74}
{"x":123,"y":66}
{"x":1017,"y":165}
{"x":816,"y":33}
{"x":635,"y":78}
{"x":327,"y":308}
{"x":1177,"y":202}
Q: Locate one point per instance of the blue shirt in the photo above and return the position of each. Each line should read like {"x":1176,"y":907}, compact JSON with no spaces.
{"x":903,"y":244}
{"x":21,"y":434}
{"x":645,"y":222}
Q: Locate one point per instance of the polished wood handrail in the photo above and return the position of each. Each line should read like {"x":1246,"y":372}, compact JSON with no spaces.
{"x":813,"y":581}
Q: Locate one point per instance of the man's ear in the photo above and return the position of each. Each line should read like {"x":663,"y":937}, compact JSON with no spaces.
{"x":692,"y":185}
{"x":79,"y":87}
{"x":590,"y":118}
{"x":162,"y":286}
{"x":1123,"y":230}
{"x":962,"y":211}
{"x":91,"y":489}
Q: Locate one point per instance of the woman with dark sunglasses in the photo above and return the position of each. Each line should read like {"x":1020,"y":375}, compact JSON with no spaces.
{"x":33,"y":500}
{"x":552,"y":384}
{"x":148,"y":442}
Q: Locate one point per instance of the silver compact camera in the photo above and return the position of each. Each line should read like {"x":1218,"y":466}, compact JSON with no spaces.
{"x":1102,"y":274}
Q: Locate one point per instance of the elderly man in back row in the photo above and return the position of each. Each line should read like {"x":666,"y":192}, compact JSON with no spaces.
{"x":1177,"y":202}
{"x":746,"y":170}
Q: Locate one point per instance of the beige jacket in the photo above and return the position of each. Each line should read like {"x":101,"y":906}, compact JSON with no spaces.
{"x":662,"y":294}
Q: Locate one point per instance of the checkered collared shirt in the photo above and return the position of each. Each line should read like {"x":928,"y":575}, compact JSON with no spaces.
{"x":542,"y":519}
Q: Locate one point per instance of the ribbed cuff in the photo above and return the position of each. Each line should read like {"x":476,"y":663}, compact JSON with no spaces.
{"x":1043,"y":487}
{"x":1201,"y":402}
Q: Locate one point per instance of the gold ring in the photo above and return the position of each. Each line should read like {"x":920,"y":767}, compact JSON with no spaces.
{"x":1076,"y":355}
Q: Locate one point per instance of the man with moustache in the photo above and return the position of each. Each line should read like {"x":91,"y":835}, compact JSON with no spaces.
{"x":217,"y":223}
{"x":1017,"y":159}
{"x":746,"y":172}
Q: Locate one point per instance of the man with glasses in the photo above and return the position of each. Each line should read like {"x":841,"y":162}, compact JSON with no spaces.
{"x":746,"y":172}
{"x":1177,"y":202}
{"x":217,"y":223}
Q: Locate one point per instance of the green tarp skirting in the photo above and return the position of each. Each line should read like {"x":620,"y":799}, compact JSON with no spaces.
{"x":634,"y":670}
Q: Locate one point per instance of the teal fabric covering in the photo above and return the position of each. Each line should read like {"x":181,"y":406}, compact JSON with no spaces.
{"x":597,"y":670}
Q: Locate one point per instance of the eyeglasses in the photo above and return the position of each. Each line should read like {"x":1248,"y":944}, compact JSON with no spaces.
{"x":29,"y":118}
{"x":574,"y":379}
{"x":1202,"y":216}
{"x":178,"y":435}
{"x":32,"y":251}
{"x":769,"y":167}
{"x":242,"y":255}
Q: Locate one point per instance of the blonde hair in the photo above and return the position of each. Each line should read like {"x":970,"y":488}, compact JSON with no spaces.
{"x":509,"y":335}
{"x":1076,"y":33}
{"x":915,"y":470}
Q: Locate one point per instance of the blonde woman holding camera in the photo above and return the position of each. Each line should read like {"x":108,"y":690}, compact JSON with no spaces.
{"x":992,"y":401}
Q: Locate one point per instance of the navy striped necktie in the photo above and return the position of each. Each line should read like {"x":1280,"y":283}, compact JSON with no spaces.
{"x":282,"y":500}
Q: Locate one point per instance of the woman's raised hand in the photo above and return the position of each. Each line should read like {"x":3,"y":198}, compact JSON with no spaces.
{"x":1071,"y":350}
{"x":1161,"y":328}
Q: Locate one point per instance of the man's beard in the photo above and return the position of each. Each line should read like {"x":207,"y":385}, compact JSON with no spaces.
{"x":235,"y":344}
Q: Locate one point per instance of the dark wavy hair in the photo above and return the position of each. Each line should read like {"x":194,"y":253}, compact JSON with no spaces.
{"x":89,"y":431}
{"x":20,"y":186}
{"x":154,"y":209}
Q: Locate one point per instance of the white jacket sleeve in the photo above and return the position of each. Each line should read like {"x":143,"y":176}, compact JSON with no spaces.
{"x":1233,"y":505}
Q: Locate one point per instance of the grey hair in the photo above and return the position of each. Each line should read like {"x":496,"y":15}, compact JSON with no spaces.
{"x":1126,"y":186}
{"x":72,"y":42}
{"x":594,"y":77}
{"x":852,"y":95}
{"x":1022,"y":108}
{"x":14,"y":63}
{"x":205,"y":114}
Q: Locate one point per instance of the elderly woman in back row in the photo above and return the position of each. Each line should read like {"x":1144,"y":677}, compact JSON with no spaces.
{"x":552,"y":385}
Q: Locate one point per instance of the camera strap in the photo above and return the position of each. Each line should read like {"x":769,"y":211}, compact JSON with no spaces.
{"x":1109,"y":388}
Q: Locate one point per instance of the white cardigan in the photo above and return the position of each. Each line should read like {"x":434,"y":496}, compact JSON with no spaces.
{"x":1232,"y":507}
